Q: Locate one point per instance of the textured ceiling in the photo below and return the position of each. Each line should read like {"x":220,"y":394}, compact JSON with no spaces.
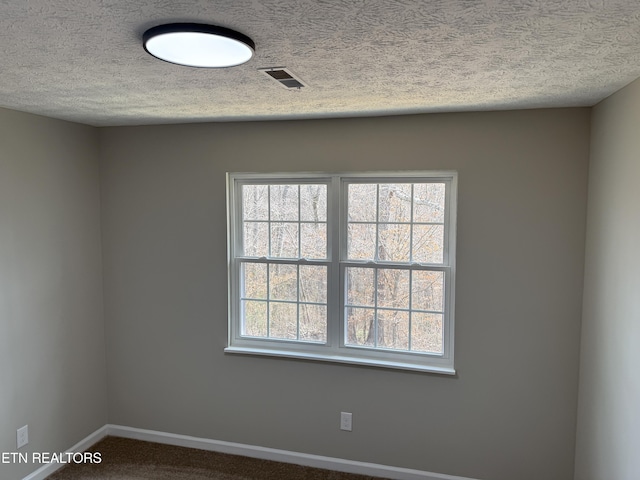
{"x":83,"y":60}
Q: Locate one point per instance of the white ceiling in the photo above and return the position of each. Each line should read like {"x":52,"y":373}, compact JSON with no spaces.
{"x":83,"y":60}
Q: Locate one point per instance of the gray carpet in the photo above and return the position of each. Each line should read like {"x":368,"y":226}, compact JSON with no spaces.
{"x":126,"y":459}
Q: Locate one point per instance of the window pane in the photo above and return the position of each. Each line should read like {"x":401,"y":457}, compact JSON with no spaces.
{"x":256,"y":239}
{"x":427,"y":291}
{"x":362,"y":202}
{"x":284,"y":202}
{"x":254,"y":318}
{"x":255,"y":204}
{"x":394,"y":243}
{"x":393,"y":329}
{"x":428,"y":202}
{"x":395,"y":202}
{"x":313,"y":323}
{"x":428,"y":243}
{"x":426,"y":332}
{"x":393,"y":288}
{"x":361,"y":241}
{"x":313,"y":237}
{"x":283,"y":282}
{"x":360,"y":286}
{"x":313,"y":203}
{"x":254,"y":280}
{"x":283,"y":320}
{"x":284,"y":240}
{"x":313,"y":284}
{"x":360,"y":326}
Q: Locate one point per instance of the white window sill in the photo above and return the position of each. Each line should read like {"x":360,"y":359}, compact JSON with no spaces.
{"x":353,"y":360}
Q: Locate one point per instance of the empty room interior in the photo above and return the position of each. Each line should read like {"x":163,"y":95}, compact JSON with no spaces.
{"x":121,"y":312}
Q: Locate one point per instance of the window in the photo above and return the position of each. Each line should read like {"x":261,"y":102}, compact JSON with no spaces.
{"x":355,"y":268}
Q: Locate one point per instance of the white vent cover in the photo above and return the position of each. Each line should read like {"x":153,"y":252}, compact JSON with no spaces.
{"x":284,"y":77}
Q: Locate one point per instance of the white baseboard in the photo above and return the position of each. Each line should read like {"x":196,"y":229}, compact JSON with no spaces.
{"x":285,"y":456}
{"x":47,"y":469}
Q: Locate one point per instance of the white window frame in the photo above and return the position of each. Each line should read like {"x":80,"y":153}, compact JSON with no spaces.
{"x":335,"y":350}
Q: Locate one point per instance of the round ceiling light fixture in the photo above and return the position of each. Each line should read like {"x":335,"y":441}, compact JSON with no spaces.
{"x":198,"y":45}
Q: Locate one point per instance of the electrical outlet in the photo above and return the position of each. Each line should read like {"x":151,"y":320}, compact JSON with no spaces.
{"x":23,"y":436}
{"x":346,"y":420}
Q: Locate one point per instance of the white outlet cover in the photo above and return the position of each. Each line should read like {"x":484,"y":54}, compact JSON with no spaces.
{"x":346,"y":419}
{"x":23,"y":436}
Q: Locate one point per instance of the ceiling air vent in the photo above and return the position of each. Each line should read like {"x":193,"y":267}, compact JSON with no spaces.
{"x":283,"y":76}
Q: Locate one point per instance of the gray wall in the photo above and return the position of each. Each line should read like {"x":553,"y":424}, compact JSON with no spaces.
{"x":52,"y":353}
{"x":608,"y":440}
{"x":511,"y":411}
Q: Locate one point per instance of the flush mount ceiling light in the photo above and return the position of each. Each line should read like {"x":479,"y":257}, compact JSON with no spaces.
{"x":198,"y":45}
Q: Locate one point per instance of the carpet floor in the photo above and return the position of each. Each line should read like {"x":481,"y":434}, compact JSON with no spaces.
{"x":126,"y":459}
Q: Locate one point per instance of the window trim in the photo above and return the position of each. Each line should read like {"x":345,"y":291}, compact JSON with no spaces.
{"x":335,"y":350}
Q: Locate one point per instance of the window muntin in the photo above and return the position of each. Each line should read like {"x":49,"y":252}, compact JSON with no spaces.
{"x":397,"y":309}
{"x":284,"y":220}
{"x":401,"y":224}
{"x":283,"y":301}
{"x":283,"y":223}
{"x":396,"y":222}
{"x":353,"y":268}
